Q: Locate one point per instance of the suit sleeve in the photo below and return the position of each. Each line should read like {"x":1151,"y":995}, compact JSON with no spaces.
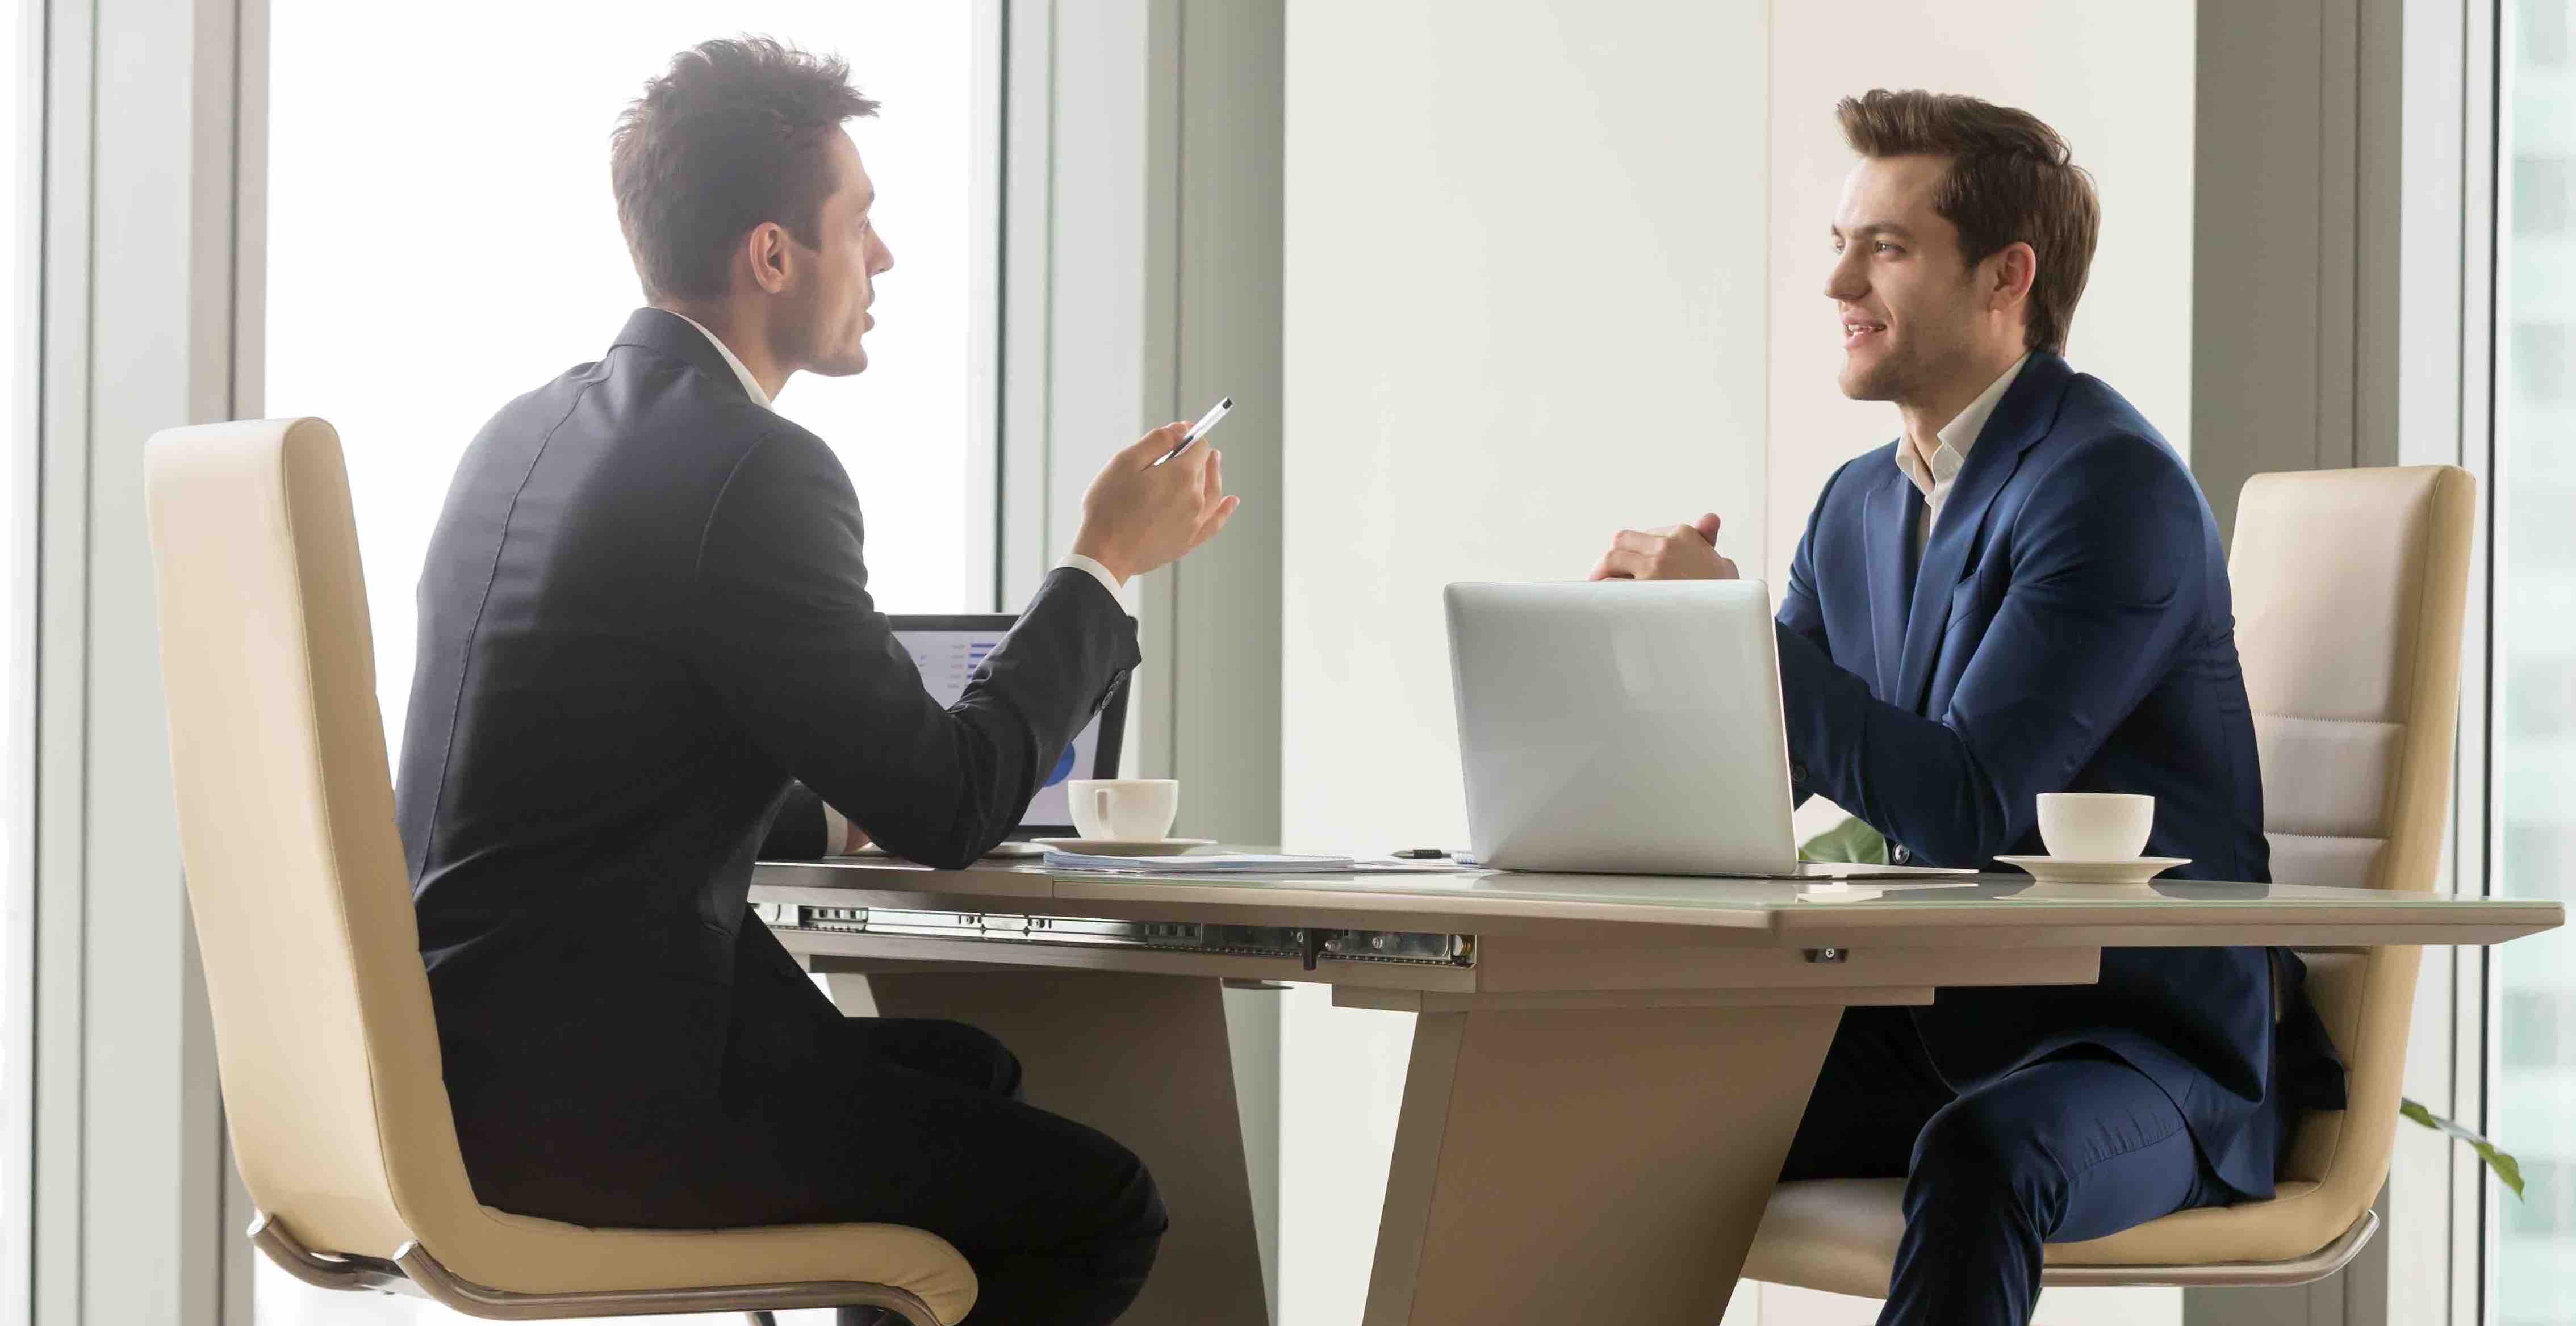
{"x":2108,"y":557}
{"x":786,"y":633}
{"x":796,"y":829}
{"x":1800,"y":615}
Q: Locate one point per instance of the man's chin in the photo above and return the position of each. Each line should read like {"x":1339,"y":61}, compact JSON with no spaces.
{"x":1865,"y":382}
{"x":840,"y":366}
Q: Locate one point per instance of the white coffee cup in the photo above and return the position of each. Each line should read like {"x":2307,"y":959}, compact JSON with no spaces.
{"x":1129,"y":810}
{"x":2096,"y":826}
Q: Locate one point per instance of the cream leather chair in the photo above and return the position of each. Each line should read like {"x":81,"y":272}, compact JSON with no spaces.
{"x":2349,"y":590}
{"x":323,"y":1032}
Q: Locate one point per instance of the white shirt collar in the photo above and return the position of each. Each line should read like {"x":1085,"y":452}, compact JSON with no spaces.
{"x":750,"y":384}
{"x":1956,"y":436}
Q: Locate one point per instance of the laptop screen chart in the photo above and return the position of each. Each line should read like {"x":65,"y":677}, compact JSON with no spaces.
{"x":948,"y":660}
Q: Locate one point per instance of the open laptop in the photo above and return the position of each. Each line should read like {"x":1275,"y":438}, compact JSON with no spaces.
{"x":948,"y":650}
{"x":1627,"y":728}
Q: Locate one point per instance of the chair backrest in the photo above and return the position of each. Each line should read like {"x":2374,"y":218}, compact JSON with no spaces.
{"x":2350,"y":586}
{"x":324,"y":1034}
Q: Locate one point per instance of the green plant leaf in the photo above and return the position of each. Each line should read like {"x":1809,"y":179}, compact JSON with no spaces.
{"x":2508,"y":1170}
{"x":1850,"y":842}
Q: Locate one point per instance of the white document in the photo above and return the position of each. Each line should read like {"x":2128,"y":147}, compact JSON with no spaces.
{"x":1213,"y":863}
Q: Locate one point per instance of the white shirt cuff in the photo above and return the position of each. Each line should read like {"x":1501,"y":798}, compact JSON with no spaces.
{"x":836,"y":830}
{"x":1094,"y":569}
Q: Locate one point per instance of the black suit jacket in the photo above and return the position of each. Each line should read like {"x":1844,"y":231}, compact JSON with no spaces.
{"x":644,"y":621}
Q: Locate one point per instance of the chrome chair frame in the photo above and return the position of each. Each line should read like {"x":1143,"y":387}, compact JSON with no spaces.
{"x":414,"y":1272}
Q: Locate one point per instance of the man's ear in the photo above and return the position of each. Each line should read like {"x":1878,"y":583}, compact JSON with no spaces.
{"x":767,"y":248}
{"x":2009,"y":274}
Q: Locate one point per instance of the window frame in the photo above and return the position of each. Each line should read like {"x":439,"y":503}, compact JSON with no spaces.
{"x":19,"y":516}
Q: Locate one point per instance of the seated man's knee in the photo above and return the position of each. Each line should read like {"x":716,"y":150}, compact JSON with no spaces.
{"x":1974,"y":1152}
{"x":1141,"y":1214}
{"x":1000,"y":1067}
{"x":1122,"y":1220}
{"x":971,"y":1056}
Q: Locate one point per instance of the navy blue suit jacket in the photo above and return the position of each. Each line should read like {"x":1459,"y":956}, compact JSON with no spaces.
{"x":2067,"y":629}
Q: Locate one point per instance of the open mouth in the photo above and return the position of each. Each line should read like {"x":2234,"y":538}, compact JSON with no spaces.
{"x":1857,"y":333}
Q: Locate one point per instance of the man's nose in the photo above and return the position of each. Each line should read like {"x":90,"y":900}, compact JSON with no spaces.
{"x":1844,"y":281}
{"x":883,"y":260}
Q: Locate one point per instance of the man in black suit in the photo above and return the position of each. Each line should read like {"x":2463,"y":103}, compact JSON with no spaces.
{"x":645,"y":631}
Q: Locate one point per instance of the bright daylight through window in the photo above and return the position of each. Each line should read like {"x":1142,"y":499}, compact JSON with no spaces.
{"x":19,"y":119}
{"x":2534,"y":1093}
{"x":441,"y":238}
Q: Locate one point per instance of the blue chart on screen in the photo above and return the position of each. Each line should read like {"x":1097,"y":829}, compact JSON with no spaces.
{"x":1063,"y":768}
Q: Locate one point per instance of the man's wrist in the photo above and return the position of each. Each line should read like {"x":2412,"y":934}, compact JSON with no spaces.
{"x":1097,"y":550}
{"x":1110,"y":577}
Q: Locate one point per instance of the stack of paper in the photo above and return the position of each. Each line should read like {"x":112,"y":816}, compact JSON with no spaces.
{"x":1213,"y":863}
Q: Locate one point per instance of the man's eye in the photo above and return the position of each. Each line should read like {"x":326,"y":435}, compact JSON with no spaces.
{"x":1885,"y":247}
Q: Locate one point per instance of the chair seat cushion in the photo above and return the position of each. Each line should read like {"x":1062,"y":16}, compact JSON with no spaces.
{"x":1839,"y":1235}
{"x":547,"y":1256}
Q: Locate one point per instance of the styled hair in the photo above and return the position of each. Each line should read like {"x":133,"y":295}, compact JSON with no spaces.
{"x":2011,"y":180}
{"x":735,"y":134}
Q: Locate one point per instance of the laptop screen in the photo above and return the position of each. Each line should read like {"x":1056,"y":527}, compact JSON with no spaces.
{"x":949,"y":649}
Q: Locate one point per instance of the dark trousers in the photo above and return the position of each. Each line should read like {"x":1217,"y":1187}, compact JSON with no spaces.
{"x":1059,"y":1222}
{"x":2074,"y":1147}
{"x":821,"y":1118}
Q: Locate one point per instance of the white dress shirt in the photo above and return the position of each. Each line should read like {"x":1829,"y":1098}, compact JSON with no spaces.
{"x":836,"y":826}
{"x":1956,"y":437}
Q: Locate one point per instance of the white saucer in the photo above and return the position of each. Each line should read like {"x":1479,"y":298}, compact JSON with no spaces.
{"x":1125,"y":846}
{"x":2062,"y":870}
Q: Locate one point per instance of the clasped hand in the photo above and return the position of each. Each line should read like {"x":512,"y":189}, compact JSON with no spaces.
{"x":1675,"y":552}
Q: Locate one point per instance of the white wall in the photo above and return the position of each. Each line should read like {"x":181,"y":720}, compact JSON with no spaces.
{"x":1552,"y":268}
{"x":1524,"y":308}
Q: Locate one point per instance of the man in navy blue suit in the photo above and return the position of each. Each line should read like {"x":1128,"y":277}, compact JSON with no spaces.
{"x":2024,"y":593}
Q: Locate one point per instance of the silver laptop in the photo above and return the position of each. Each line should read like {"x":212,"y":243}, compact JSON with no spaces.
{"x":1627,"y":728}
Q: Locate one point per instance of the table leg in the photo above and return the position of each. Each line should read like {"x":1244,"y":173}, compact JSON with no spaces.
{"x":1582,"y":1165}
{"x":1143,"y":1059}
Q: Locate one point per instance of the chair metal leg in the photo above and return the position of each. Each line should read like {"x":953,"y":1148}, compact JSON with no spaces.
{"x":414,"y":1271}
{"x":324,"y":1270}
{"x":760,"y":1318}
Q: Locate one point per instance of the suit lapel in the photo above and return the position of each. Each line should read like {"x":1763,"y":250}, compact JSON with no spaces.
{"x":2021,"y":418}
{"x":1887,"y":541}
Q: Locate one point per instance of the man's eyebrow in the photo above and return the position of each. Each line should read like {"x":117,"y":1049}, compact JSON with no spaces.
{"x":1867,"y":229}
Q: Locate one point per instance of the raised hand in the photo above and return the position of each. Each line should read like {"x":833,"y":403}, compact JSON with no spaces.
{"x":1674,"y":552}
{"x":1139,"y":515}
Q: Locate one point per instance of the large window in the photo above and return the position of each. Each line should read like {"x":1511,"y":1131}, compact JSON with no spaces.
{"x":20,"y":90}
{"x":441,"y":238}
{"x":2534,"y":1098}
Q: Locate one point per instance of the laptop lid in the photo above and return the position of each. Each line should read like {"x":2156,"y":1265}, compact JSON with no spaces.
{"x":1622,"y":727}
{"x":949,"y":649}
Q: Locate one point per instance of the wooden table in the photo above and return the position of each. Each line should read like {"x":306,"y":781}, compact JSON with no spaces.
{"x":1606,"y":1070}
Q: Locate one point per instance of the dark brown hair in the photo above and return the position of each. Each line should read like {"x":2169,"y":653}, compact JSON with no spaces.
{"x":2011,"y":180}
{"x":734,"y":135}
